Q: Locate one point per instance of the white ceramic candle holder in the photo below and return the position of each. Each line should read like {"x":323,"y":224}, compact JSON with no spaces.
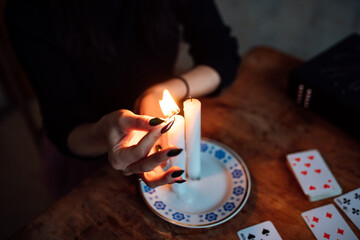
{"x":221,"y":192}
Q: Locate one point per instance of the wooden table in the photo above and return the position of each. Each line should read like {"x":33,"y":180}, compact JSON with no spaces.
{"x":255,"y":118}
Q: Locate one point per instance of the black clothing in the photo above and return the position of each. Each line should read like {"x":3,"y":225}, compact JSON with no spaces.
{"x":72,"y":91}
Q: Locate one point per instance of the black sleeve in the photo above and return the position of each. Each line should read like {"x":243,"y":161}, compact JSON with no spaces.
{"x":209,"y":39}
{"x":50,"y":73}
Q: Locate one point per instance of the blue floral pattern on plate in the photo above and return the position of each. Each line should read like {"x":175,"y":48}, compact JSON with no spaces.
{"x":238,"y":192}
{"x":178,"y":216}
{"x":229,"y":206}
{"x":160,"y":205}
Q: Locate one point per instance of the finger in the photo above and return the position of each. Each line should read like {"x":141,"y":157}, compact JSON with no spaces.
{"x":149,"y":163}
{"x":121,"y":156}
{"x":127,"y":140}
{"x":131,"y":121}
{"x":145,"y":145}
{"x":158,"y":177}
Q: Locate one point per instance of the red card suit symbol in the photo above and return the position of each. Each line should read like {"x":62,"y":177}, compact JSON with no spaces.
{"x":303,"y":172}
{"x":307,"y":164}
{"x":315,"y":219}
{"x":318,"y":170}
{"x":329,"y":180}
{"x":312,"y":225}
{"x":312,"y":187}
{"x":311,"y":157}
{"x":327,"y":236}
{"x":297,"y":159}
{"x":326,"y":186}
{"x":329,"y":215}
{"x":340,"y":231}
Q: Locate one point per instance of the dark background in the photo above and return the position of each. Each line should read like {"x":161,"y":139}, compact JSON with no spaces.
{"x":299,"y":28}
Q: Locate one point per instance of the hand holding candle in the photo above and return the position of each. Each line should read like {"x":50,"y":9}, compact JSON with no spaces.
{"x":179,"y":137}
{"x":130,"y":139}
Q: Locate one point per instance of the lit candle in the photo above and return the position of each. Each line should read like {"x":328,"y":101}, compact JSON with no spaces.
{"x":175,"y":136}
{"x":192,"y":113}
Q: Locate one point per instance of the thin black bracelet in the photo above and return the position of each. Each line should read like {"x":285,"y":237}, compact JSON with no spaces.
{"x":186,"y":84}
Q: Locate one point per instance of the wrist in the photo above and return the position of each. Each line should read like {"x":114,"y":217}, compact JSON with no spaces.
{"x":187,"y":87}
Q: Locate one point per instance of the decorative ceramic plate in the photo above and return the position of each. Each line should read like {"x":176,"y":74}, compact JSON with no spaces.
{"x":221,"y":192}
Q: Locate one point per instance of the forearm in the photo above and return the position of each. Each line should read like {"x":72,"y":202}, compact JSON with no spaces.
{"x":202,"y":80}
{"x":88,"y":140}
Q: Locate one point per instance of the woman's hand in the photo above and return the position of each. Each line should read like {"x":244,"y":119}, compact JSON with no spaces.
{"x":120,"y":128}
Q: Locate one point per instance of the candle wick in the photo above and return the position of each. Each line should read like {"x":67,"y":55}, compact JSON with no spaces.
{"x":190,"y":98}
{"x":172,"y":114}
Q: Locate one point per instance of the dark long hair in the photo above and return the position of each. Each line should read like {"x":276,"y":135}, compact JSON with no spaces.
{"x":82,"y":26}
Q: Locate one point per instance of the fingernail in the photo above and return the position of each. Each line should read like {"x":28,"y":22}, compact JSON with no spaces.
{"x":180,"y":181}
{"x":167,"y":127}
{"x":177,"y":173}
{"x":156,"y":121}
{"x":174,"y":152}
{"x":158,"y":148}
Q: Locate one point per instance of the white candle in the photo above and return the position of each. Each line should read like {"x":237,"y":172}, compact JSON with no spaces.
{"x":176,"y":137}
{"x":192,"y":113}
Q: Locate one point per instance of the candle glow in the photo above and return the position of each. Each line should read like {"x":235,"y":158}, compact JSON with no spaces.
{"x":168,"y":105}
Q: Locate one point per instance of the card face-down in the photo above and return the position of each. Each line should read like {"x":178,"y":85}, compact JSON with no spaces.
{"x":350,"y":205}
{"x":313,"y":175}
{"x":325,"y":222}
{"x":265,"y":230}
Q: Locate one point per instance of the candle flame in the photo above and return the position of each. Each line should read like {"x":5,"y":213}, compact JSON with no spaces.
{"x":168,"y":105}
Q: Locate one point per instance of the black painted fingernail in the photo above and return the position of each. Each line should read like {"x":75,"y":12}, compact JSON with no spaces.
{"x":158,"y":148}
{"x":167,"y":127}
{"x":177,"y":173}
{"x":156,"y":121}
{"x":180,"y":181}
{"x":174,"y":152}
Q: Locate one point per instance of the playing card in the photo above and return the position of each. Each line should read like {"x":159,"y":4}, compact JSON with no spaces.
{"x":313,"y":175}
{"x":326,"y":223}
{"x":264,"y":230}
{"x":350,"y":204}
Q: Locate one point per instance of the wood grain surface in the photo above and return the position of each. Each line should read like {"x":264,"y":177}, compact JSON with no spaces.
{"x":256,"y":118}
